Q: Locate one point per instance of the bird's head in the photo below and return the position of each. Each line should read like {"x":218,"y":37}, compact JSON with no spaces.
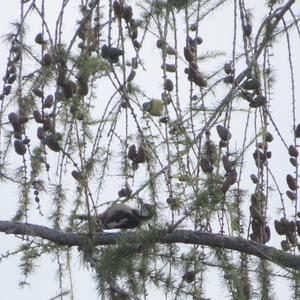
{"x":147,"y":211}
{"x":146,"y":106}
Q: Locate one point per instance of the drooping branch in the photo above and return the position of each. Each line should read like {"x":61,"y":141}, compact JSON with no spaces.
{"x":180,"y":236}
{"x":213,"y":118}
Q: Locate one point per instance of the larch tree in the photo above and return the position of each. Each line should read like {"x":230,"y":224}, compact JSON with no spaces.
{"x":188,"y":108}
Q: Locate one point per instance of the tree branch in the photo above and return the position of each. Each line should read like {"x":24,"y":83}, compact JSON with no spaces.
{"x":180,"y":236}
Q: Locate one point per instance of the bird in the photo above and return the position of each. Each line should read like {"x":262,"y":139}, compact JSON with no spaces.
{"x":155,"y":107}
{"x":122,"y":216}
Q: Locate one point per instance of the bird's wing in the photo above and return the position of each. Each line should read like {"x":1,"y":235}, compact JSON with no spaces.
{"x":114,"y":224}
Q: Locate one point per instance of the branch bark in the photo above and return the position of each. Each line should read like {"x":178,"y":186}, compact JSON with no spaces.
{"x":179,"y":236}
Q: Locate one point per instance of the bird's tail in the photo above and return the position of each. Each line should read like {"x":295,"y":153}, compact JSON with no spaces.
{"x":86,"y":218}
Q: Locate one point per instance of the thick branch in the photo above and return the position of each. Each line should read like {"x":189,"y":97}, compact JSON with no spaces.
{"x":180,"y":236}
